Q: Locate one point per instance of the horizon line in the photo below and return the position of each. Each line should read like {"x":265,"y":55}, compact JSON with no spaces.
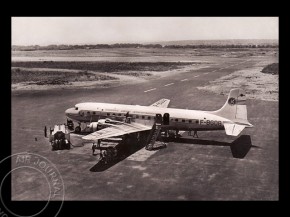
{"x":127,"y":42}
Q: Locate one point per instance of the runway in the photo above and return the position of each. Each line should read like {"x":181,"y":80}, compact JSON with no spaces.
{"x":204,"y":168}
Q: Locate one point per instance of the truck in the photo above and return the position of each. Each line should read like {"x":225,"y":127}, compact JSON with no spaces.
{"x":60,"y":137}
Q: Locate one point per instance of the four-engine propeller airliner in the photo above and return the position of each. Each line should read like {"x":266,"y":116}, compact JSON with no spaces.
{"x":123,"y":119}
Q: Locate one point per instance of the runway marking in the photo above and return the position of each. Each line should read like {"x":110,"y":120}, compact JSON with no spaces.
{"x":139,"y":167}
{"x":228,"y":66}
{"x":196,"y":76}
{"x":184,"y":79}
{"x":149,"y":90}
{"x":168,"y":84}
{"x":141,"y":155}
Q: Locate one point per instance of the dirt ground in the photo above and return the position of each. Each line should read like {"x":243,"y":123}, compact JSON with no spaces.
{"x":257,"y":85}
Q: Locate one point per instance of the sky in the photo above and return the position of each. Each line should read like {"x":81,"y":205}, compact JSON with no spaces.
{"x":98,"y":30}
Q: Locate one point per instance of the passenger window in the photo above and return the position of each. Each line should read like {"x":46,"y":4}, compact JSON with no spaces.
{"x":108,"y":114}
{"x":190,"y":121}
{"x":143,"y":117}
{"x":94,"y":113}
{"x":183,"y":120}
{"x":176,"y":120}
{"x":149,"y":117}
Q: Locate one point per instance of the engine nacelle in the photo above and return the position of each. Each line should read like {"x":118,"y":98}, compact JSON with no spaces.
{"x":105,"y":121}
{"x":93,"y":126}
{"x":101,"y":124}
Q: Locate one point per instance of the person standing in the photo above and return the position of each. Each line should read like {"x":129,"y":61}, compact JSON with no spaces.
{"x":94,"y":148}
{"x":195,"y":134}
{"x":45,"y":132}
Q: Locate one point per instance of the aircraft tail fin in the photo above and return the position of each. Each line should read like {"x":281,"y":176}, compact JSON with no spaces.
{"x":235,"y":110}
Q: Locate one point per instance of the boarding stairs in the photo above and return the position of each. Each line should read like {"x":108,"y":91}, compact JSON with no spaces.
{"x":154,"y":133}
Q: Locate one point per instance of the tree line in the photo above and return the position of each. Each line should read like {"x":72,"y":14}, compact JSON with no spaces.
{"x":101,"y":46}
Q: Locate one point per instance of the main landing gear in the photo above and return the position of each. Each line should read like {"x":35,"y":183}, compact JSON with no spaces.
{"x":78,"y":129}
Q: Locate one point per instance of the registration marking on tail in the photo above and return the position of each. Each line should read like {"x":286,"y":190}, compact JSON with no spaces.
{"x":149,"y":90}
{"x":168,"y":84}
{"x":141,"y":155}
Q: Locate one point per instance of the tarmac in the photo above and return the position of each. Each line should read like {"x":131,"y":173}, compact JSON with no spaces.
{"x":212,"y":167}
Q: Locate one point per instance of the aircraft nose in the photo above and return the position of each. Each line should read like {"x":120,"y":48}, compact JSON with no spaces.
{"x":71,"y":112}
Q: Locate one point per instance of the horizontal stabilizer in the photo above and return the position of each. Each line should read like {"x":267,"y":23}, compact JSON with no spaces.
{"x":233,"y":129}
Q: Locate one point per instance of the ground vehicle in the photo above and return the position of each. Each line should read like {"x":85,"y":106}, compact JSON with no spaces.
{"x":60,"y":137}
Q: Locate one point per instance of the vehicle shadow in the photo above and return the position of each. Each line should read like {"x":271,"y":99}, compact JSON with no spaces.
{"x":239,"y":147}
{"x":124,"y":151}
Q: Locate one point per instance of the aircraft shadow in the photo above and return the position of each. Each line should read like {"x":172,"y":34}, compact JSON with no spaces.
{"x":239,"y":147}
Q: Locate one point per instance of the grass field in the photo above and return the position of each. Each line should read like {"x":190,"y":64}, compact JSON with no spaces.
{"x":140,"y":52}
{"x":104,"y":66}
{"x":42,"y":77}
{"x":68,"y":73}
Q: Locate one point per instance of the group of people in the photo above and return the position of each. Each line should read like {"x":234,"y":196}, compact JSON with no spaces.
{"x":194,"y":133}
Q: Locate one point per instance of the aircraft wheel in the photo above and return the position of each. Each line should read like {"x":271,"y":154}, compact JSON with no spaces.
{"x":78,"y":129}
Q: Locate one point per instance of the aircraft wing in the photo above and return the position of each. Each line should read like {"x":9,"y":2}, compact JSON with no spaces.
{"x":163,"y":103}
{"x":117,"y":130}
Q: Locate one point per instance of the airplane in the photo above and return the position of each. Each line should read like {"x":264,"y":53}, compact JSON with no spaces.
{"x":120,"y":119}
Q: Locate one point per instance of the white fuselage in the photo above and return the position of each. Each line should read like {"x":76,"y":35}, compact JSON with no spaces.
{"x":179,"y":119}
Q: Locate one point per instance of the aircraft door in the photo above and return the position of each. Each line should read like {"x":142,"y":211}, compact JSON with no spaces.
{"x":166,"y":119}
{"x":158,"y":119}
